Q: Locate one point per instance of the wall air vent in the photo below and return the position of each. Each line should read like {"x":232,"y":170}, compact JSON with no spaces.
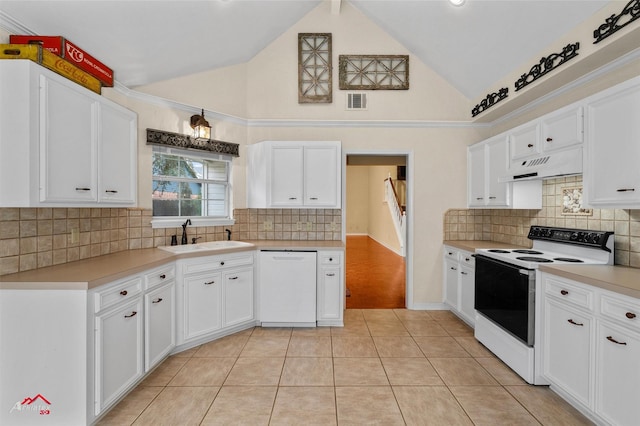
{"x":356,"y":101}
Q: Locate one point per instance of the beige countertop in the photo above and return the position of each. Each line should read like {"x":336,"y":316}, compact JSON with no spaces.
{"x":89,"y":273}
{"x":472,"y":245}
{"x":620,"y":279}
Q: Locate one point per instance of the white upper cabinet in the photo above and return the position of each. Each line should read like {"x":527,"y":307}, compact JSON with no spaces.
{"x":294,"y":175}
{"x":62,"y":144}
{"x":612,"y":175}
{"x":486,"y":163}
{"x":562,"y":129}
{"x":524,"y":141}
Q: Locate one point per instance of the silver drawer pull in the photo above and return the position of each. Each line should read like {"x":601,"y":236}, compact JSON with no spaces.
{"x":209,"y":283}
{"x":612,"y":340}
{"x":133,"y":314}
{"x":574,"y":323}
{"x":158,"y":300}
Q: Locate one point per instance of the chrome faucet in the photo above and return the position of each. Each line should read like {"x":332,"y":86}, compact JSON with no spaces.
{"x":184,"y":231}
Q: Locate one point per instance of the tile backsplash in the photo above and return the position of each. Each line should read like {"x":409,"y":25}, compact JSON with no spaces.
{"x":512,"y":226}
{"x":33,"y":238}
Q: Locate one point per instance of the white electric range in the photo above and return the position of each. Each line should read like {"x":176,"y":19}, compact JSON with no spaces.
{"x":505,"y":287}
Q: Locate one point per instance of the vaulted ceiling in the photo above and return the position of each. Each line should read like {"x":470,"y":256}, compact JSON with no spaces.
{"x":146,"y":41}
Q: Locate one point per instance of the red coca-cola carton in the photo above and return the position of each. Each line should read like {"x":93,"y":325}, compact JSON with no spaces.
{"x":71,"y":52}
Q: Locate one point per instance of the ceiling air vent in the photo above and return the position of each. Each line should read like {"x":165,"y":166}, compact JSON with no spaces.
{"x":356,"y":101}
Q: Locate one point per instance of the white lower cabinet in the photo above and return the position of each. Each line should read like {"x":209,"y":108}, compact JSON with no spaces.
{"x":591,"y":348}
{"x":202,"y":305}
{"x":119,"y":352}
{"x":568,"y":349}
{"x":459,"y":283}
{"x":159,"y":328}
{"x":330,"y":289}
{"x":215,"y":296}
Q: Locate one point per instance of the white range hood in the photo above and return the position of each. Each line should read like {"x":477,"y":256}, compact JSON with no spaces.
{"x":544,"y":166}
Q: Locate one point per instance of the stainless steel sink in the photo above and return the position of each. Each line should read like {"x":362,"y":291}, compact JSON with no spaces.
{"x":202,"y":247}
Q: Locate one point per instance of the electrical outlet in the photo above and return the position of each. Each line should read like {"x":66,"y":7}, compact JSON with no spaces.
{"x":298,"y":226}
{"x":334,"y":227}
{"x":75,"y":235}
{"x":268,"y":225}
{"x":309,"y":226}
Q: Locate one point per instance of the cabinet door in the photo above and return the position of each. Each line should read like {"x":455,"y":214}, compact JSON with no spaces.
{"x":467,"y":293}
{"x":286,"y":176}
{"x":202,"y":304}
{"x":497,"y":167}
{"x":330,"y":293}
{"x":67,"y":144}
{"x":118,"y":155}
{"x":618,"y":374}
{"x":562,"y":129}
{"x":567,"y":352}
{"x":523,"y":141}
{"x":159,"y":307}
{"x":612,"y":175}
{"x":452,"y":272}
{"x":321,"y":176}
{"x":118,"y":352}
{"x":238,"y":296}
{"x":476,"y":175}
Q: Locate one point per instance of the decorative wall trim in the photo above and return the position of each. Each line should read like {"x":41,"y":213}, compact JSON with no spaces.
{"x":160,"y":137}
{"x":630,"y":13}
{"x":490,"y":100}
{"x":548,"y":64}
{"x":373,"y":72}
{"x":315,"y":70}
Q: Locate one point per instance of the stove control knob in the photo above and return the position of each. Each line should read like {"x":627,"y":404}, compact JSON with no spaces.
{"x":574,"y":236}
{"x":594,"y":238}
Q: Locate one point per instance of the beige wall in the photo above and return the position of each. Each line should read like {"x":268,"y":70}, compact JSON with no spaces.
{"x":357,"y":196}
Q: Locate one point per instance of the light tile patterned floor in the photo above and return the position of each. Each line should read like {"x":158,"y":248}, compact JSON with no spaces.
{"x":384,"y":367}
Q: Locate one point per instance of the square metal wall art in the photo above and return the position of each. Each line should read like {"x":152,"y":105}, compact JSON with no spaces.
{"x":314,"y":68}
{"x":374,"y":72}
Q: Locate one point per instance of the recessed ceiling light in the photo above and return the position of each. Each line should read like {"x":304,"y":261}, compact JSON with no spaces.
{"x":457,"y":2}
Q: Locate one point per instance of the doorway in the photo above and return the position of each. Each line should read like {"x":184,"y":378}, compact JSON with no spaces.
{"x":375,"y":219}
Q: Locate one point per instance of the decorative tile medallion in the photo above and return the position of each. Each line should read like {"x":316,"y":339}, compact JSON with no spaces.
{"x":572,"y":202}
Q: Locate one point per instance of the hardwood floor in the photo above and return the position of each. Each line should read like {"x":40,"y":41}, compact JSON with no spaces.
{"x":375,"y":275}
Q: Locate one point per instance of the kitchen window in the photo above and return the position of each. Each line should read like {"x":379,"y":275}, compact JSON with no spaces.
{"x":190,"y":185}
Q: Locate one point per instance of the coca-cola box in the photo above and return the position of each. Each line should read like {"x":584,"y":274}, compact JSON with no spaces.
{"x":62,"y":47}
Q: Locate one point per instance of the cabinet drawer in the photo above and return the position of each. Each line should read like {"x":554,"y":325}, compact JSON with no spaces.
{"x":450,"y":253}
{"x":467,"y":259}
{"x":159,"y":276}
{"x":623,"y":312}
{"x":118,"y":293}
{"x":216,"y":262}
{"x":576,"y":295}
{"x":329,"y":258}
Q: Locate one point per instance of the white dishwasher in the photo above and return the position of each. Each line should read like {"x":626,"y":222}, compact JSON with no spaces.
{"x":287,"y":288}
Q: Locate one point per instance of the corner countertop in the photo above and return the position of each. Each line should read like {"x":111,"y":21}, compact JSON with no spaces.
{"x":96,"y":271}
{"x":472,"y":245}
{"x":619,"y":279}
